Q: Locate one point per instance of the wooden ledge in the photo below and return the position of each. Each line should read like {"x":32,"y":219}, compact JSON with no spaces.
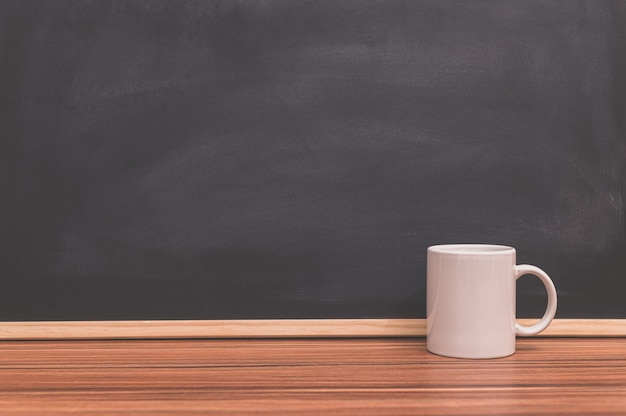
{"x":288,"y":328}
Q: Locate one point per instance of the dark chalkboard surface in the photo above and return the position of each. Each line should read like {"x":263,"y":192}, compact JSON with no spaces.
{"x":294,"y":159}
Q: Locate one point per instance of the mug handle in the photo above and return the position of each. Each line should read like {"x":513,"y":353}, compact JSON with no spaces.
{"x":526,"y":331}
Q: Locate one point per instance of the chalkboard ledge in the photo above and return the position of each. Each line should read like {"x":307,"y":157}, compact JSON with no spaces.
{"x":176,"y":329}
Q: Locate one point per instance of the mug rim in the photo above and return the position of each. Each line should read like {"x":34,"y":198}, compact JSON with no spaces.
{"x":472,"y":249}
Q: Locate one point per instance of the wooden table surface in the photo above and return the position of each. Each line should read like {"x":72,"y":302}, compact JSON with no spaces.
{"x":569,"y":376}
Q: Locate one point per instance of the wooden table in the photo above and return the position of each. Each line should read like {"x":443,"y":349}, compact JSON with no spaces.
{"x":546,"y":376}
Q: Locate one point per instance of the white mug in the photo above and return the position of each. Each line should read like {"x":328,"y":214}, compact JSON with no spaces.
{"x":470,"y":300}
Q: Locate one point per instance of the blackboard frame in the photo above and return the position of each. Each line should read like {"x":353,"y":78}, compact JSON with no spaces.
{"x":279,"y":328}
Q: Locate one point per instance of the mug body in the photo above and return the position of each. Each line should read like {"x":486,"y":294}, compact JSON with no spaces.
{"x":470,"y":300}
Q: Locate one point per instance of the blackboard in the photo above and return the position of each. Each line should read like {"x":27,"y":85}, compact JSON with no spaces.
{"x":294,"y":159}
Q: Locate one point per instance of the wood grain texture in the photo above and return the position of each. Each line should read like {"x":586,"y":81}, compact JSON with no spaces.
{"x":309,"y":376}
{"x":271,"y":328}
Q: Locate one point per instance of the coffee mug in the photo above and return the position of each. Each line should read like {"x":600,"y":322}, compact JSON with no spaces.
{"x":470,"y":300}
